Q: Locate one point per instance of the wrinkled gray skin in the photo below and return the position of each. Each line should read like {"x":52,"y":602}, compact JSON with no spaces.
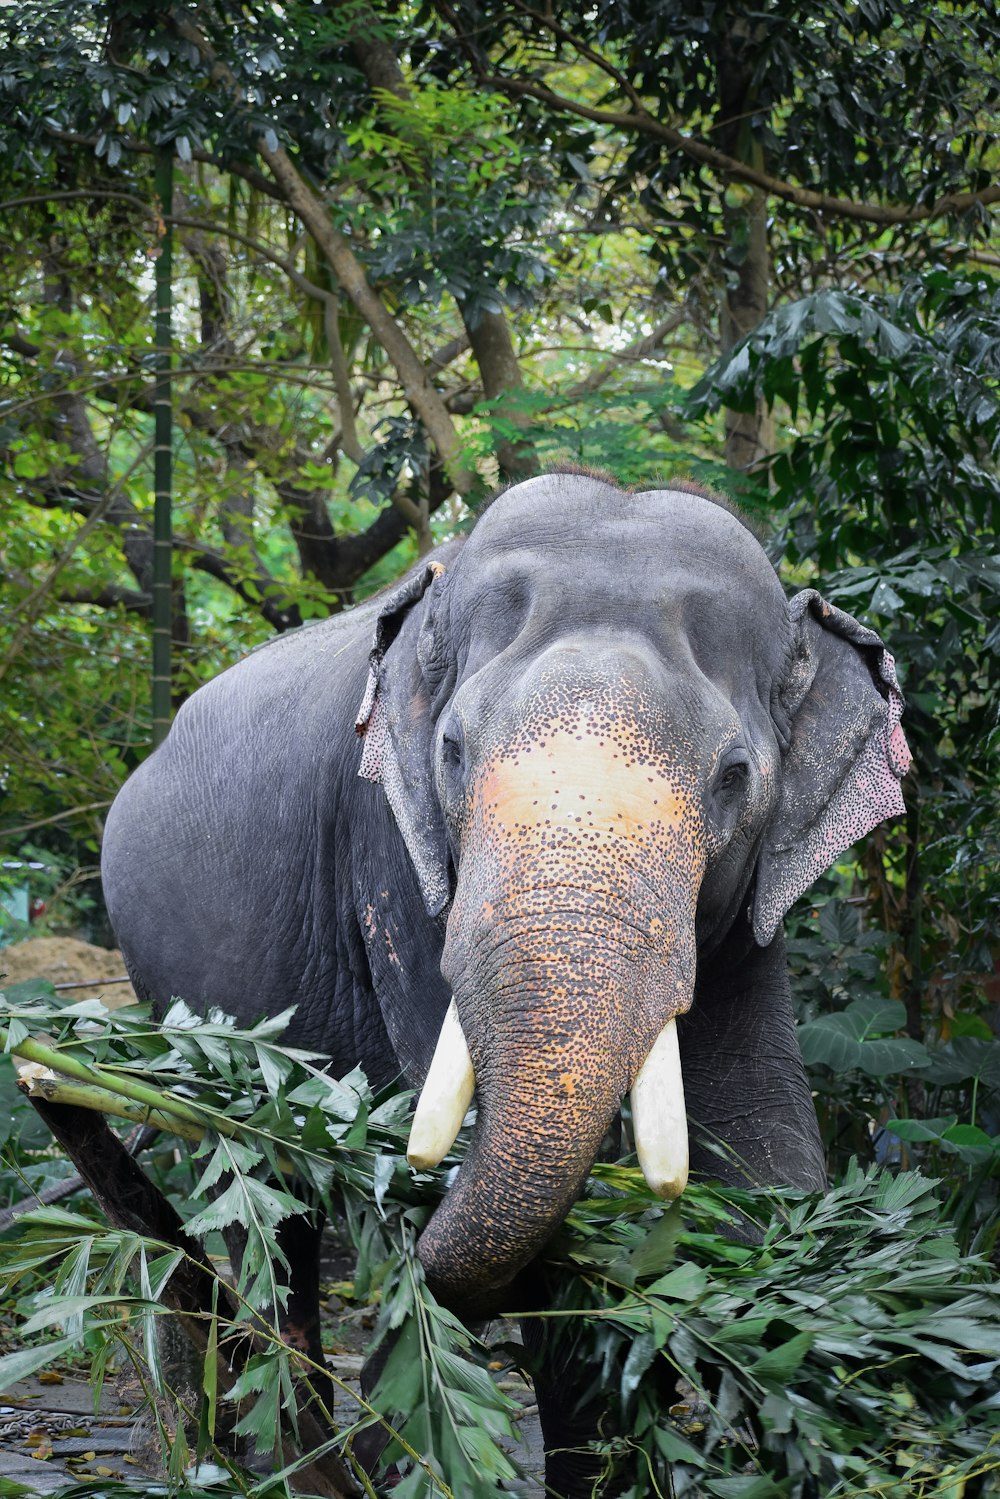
{"x":249,"y":866}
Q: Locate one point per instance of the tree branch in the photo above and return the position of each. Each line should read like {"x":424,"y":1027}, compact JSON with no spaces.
{"x":263,"y":594}
{"x":349,"y":440}
{"x":440,"y":358}
{"x":35,"y":602}
{"x":18,"y":831}
{"x":209,"y":158}
{"x":345,"y":265}
{"x":107,"y":596}
{"x":489,"y":333}
{"x":640,"y":121}
{"x":639,"y":349}
{"x":183,"y":221}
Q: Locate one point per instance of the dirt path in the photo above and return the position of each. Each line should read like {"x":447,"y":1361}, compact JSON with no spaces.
{"x":50,"y":1437}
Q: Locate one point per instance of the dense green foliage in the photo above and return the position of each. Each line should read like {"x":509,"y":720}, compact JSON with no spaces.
{"x":855,"y":1347}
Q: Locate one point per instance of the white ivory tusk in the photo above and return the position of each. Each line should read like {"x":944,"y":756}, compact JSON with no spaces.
{"x":659,"y":1119}
{"x":445,"y":1097}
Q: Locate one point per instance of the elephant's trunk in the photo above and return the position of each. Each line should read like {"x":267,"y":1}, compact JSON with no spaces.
{"x":570,"y":951}
{"x":544,"y":1106}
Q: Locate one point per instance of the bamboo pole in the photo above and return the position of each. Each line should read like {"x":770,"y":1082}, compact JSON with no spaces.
{"x":163,"y":454}
{"x":51,"y":1075}
{"x":59,"y":1061}
{"x":36,"y":1081}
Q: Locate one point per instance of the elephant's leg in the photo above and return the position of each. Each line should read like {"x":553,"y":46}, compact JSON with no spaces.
{"x":297,"y":1323}
{"x":371,"y":1443}
{"x":572,"y":1407}
{"x":299,"y":1239}
{"x":751,"y":1115}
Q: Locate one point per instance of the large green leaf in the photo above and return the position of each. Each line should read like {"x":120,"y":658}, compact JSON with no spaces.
{"x":855,"y":1038}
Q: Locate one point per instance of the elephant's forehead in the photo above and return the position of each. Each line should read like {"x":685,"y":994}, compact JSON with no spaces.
{"x":570,"y":538}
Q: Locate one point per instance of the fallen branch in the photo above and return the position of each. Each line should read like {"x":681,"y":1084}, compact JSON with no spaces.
{"x":129,"y":1200}
{"x":42,"y":1083}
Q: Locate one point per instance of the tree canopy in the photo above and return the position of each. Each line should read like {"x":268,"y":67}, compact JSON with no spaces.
{"x":422,"y":248}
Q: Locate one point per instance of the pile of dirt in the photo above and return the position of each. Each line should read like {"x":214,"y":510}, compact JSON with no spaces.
{"x":65,"y":960}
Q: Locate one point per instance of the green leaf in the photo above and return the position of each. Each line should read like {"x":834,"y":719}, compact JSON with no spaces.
{"x":779,"y":1364}
{"x":855,"y":1038}
{"x":676,"y":1448}
{"x":840,"y":923}
{"x":657,"y":1248}
{"x":777,"y":1414}
{"x":757,"y":1486}
{"x":921,"y":1129}
{"x":16,"y":1032}
{"x":640,"y":1356}
{"x":687,"y":1282}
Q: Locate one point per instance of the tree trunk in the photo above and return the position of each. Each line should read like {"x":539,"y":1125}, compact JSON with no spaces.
{"x":749,"y":434}
{"x":746,"y":258}
{"x":312,"y":213}
{"x":493,"y":351}
{"x":489,"y":335}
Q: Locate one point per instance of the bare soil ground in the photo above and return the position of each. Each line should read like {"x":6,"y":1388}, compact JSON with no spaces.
{"x":66,"y":960}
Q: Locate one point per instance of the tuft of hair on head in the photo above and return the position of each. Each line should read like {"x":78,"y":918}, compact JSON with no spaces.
{"x":586,"y":471}
{"x":680,"y":485}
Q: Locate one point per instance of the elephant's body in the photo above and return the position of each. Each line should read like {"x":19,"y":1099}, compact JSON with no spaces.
{"x":298,"y":890}
{"x":601,"y":756}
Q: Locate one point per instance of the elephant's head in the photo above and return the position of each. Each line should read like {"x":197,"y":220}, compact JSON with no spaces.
{"x":604,"y":732}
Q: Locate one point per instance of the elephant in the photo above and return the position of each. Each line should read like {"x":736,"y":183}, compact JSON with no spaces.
{"x":524,"y":828}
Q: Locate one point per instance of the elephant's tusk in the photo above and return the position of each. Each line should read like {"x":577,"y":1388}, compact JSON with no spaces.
{"x":659,"y":1119}
{"x":445,"y":1098}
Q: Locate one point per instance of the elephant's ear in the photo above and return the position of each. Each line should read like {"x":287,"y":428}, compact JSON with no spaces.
{"x":837,"y":710}
{"x":395,"y":719}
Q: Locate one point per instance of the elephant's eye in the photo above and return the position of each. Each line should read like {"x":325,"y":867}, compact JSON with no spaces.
{"x":733,"y":778}
{"x":451,"y":752}
{"x":452,"y":761}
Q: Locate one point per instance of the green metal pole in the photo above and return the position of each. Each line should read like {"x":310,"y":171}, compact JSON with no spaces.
{"x":163,"y":455}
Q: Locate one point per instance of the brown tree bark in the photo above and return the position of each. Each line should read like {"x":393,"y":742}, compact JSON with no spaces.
{"x":493,"y":350}
{"x":309,"y":208}
{"x":489,"y":334}
{"x":746,"y":258}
